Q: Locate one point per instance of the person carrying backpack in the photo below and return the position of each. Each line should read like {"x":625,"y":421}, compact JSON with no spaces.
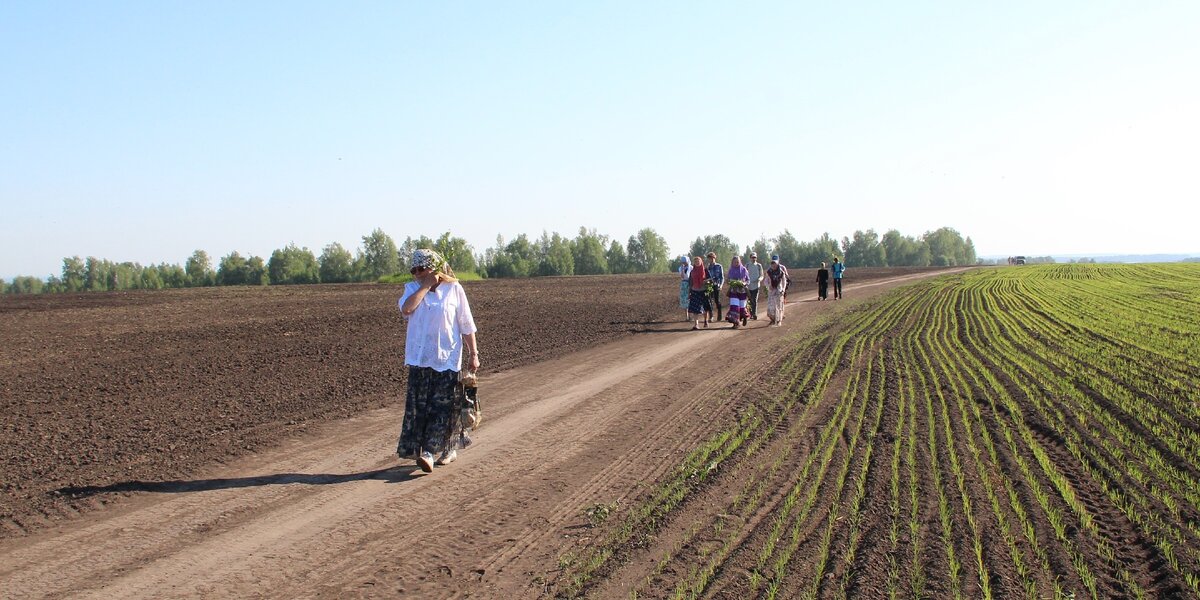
{"x":777,"y":284}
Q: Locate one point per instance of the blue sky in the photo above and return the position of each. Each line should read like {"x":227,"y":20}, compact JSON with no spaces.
{"x":144,"y":131}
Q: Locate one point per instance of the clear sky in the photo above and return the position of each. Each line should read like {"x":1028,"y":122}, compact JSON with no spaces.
{"x":144,"y":131}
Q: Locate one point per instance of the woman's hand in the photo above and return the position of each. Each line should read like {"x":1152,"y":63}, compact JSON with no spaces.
{"x":473,"y":363}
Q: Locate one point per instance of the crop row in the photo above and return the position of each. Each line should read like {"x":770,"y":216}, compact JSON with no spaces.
{"x":1006,"y":432}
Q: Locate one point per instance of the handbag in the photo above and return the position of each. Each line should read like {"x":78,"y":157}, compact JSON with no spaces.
{"x":472,"y":413}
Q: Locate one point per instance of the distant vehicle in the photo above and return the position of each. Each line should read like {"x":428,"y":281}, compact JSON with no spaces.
{"x":1018,"y":260}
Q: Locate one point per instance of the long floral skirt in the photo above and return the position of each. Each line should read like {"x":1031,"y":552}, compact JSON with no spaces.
{"x":698,"y":302}
{"x":775,"y":305}
{"x":432,"y":413}
{"x":684,"y":288}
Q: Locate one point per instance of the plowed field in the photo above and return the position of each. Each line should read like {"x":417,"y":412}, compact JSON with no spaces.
{"x":995,"y":433}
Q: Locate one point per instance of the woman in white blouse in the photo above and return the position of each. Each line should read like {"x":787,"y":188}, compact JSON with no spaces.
{"x":440,"y":331}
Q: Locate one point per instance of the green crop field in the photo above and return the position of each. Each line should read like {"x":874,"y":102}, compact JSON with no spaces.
{"x":1012,"y":432}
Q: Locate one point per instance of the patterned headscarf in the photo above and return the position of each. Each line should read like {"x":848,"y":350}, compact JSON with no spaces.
{"x":427,"y":259}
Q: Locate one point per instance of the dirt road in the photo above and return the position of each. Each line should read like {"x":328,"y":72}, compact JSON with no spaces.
{"x":334,"y":515}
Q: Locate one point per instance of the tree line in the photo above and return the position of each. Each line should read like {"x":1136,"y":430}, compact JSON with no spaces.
{"x":380,"y":258}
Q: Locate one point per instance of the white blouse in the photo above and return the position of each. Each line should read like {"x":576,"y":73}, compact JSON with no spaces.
{"x":436,"y":327}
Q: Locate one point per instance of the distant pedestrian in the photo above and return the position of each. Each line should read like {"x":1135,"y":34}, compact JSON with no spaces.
{"x":716,"y":279}
{"x":684,"y":271}
{"x":698,"y":306}
{"x":755,"y":269}
{"x":440,"y":330}
{"x":822,"y":282}
{"x":739,"y":279}
{"x":777,"y":285}
{"x":838,"y":268}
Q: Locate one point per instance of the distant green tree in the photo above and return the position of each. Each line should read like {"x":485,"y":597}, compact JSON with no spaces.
{"x":555,"y":256}
{"x":588,"y":251}
{"x":947,"y":248}
{"x":724,"y":247}
{"x":864,"y":250}
{"x":23,"y":284}
{"x":380,"y":255}
{"x":73,"y":274}
{"x":647,"y":252}
{"x":762,"y":246}
{"x":293,"y":265}
{"x":173,"y":276}
{"x":336,"y":264}
{"x":618,"y":260}
{"x":232,"y":270}
{"x":125,"y":276}
{"x":96,"y":274}
{"x":199,"y":270}
{"x":904,"y":251}
{"x":256,"y":271}
{"x":150,"y":279}
{"x":457,"y":252}
{"x":235,"y":269}
{"x":788,"y":248}
{"x":518,"y":258}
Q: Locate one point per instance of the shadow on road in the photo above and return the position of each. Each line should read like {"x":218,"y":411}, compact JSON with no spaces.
{"x":389,"y":475}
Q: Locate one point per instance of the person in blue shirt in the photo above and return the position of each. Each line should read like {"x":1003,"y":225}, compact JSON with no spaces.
{"x":716,"y":274}
{"x":838,"y":269}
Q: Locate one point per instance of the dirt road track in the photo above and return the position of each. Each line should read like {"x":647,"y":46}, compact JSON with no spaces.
{"x":331,"y":515}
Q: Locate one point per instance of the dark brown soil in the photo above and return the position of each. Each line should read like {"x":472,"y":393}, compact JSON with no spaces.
{"x":104,"y":387}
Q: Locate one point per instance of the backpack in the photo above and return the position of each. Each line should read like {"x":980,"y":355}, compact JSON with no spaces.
{"x":776,"y":277}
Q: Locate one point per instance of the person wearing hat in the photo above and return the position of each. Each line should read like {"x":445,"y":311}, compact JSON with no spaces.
{"x":716,"y":276}
{"x":756,"y":277}
{"x":777,"y":285}
{"x":440,"y":331}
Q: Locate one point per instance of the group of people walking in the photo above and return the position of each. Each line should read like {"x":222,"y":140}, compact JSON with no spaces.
{"x":439,"y":405}
{"x":700,"y":287}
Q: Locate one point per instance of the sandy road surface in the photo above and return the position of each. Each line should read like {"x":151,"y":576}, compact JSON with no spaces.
{"x":332,"y":515}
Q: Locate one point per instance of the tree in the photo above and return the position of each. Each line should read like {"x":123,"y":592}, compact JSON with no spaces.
{"x":618,"y":261}
{"x":238,"y":270}
{"x":336,"y":264}
{"x":199,"y":270}
{"x":555,"y":256}
{"x":256,"y":271}
{"x":73,"y":271}
{"x":457,"y":252}
{"x":95,"y":274}
{"x":788,"y":248}
{"x":232,"y":270}
{"x":864,"y":250}
{"x":518,"y":258}
{"x":588,"y":252}
{"x":722,"y":246}
{"x":380,"y":256}
{"x":648,"y":252}
{"x":23,"y":284}
{"x":293,"y":265}
{"x":762,"y":247}
{"x":947,"y":248}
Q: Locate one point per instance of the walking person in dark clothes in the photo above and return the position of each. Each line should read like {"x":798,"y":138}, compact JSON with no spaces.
{"x":822,"y":283}
{"x":716,"y":275}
